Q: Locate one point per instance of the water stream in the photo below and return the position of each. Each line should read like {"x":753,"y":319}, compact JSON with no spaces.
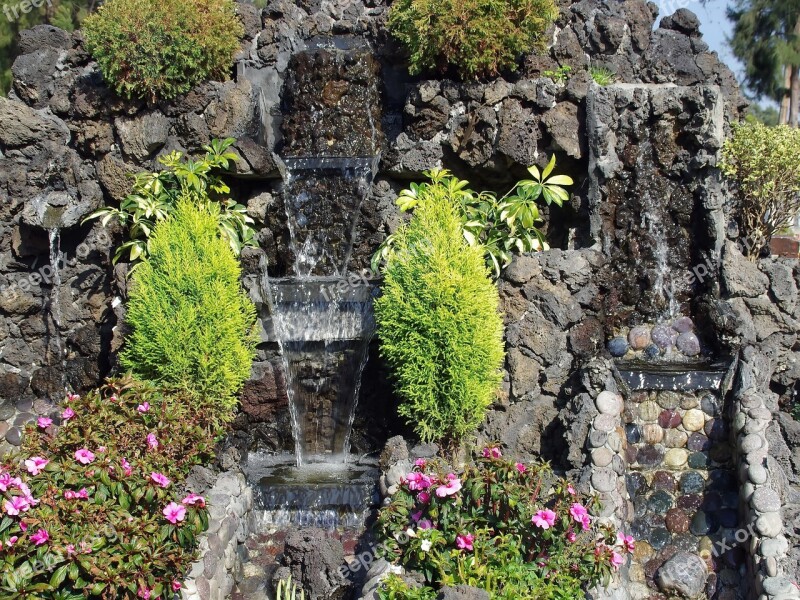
{"x":56,"y":257}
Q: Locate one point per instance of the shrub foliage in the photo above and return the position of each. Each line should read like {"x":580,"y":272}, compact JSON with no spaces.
{"x":158,"y":49}
{"x":94,"y":508}
{"x":192,"y":324}
{"x":438,"y":322}
{"x":478,"y":38}
{"x":762,"y":163}
{"x":512,"y":529}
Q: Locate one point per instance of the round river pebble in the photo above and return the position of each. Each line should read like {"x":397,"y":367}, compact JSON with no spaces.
{"x":652,"y":433}
{"x":609,"y":403}
{"x":693,"y":420}
{"x":675,"y":438}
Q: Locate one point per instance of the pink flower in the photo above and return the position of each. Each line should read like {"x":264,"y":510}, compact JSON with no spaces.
{"x":571,"y":537}
{"x":5,"y":481}
{"x":616,"y":560}
{"x":450,"y":488}
{"x":174,"y":512}
{"x":44,"y":422}
{"x":83,"y":494}
{"x":67,"y":414}
{"x":416,"y":516}
{"x":126,"y":467}
{"x":194,"y":500}
{"x":16,"y":505}
{"x":492,"y":452}
{"x":72,"y":397}
{"x":418,"y":481}
{"x":571,"y":490}
{"x":464,"y":541}
{"x":143,"y":407}
{"x":160,"y":479}
{"x":152,"y":441}
{"x":420,"y":462}
{"x":84,"y":456}
{"x":23,"y":526}
{"x":424,"y":524}
{"x":36,"y":464}
{"x":11,"y":541}
{"x":424,"y":497}
{"x":176,"y":585}
{"x":40,"y":537}
{"x":626,"y":541}
{"x":70,"y":549}
{"x":544,"y":519}
{"x":143,"y":593}
{"x":580,"y":515}
{"x":520,"y":467}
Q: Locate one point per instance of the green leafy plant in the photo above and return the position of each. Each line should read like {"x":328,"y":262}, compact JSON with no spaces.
{"x":394,"y":588}
{"x":560,"y":75}
{"x":512,"y":529}
{"x":159,"y":49}
{"x":438,"y":321}
{"x":498,"y":225}
{"x":156,"y":194}
{"x":94,"y":507}
{"x":762,"y":164}
{"x":602,"y":75}
{"x":287,"y":590}
{"x":478,"y":38}
{"x":193,"y":326}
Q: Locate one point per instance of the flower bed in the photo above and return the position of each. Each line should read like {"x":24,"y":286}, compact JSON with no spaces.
{"x":513,"y":529}
{"x":94,"y":507}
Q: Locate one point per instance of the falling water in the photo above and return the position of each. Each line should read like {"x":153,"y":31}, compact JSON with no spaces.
{"x":653,"y":211}
{"x":56,"y":257}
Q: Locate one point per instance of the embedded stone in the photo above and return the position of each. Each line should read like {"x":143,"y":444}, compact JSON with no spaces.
{"x":692,"y":483}
{"x":652,"y":351}
{"x":676,"y":520}
{"x":722,"y":480}
{"x":774,"y":546}
{"x":635,"y":483}
{"x":710,"y":405}
{"x":14,"y":436}
{"x":605,"y":423}
{"x":683,"y":325}
{"x":690,"y":502}
{"x":675,"y":438}
{"x":765,"y":500}
{"x":597,"y":438}
{"x":688,"y":344}
{"x":698,"y":460}
{"x":649,"y":411}
{"x":688,"y":402}
{"x":770,"y":524}
{"x":639,"y":337}
{"x":775,"y":586}
{"x":618,"y":347}
{"x":660,"y":502}
{"x":716,"y":429}
{"x":684,"y":573}
{"x":650,"y":456}
{"x":669,"y":400}
{"x":757,"y":474}
{"x":662,"y":480}
{"x":703,"y":524}
{"x":652,"y":433}
{"x":693,"y":420}
{"x":675,"y":458}
{"x":601,"y":457}
{"x":662,"y":336}
{"x":615,"y":441}
{"x":698,"y":442}
{"x":609,"y":403}
{"x":604,"y":480}
{"x":642,"y":551}
{"x":659,"y":538}
{"x":631,"y":454}
{"x":633,"y":433}
{"x":751,"y":442}
{"x":669,"y":419}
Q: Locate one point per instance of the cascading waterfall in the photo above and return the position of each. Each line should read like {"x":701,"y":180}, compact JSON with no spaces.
{"x":321,"y":313}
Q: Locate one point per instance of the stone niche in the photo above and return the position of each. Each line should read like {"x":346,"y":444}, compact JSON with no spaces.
{"x":655,"y":200}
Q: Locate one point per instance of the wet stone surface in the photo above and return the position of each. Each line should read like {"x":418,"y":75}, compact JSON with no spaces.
{"x":682,"y":485}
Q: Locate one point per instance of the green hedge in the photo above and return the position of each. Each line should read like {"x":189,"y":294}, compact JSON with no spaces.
{"x":438,"y":323}
{"x":192,"y":324}
{"x":159,"y":49}
{"x":478,"y":38}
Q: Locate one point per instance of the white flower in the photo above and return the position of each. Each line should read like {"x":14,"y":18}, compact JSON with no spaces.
{"x":426,"y":545}
{"x":411,"y":533}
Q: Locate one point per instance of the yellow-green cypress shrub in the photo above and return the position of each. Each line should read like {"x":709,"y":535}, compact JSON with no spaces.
{"x":193,"y":326}
{"x":438,"y":322}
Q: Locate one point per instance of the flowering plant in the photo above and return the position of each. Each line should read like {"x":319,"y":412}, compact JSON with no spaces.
{"x":91,"y":509}
{"x":507,"y":527}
